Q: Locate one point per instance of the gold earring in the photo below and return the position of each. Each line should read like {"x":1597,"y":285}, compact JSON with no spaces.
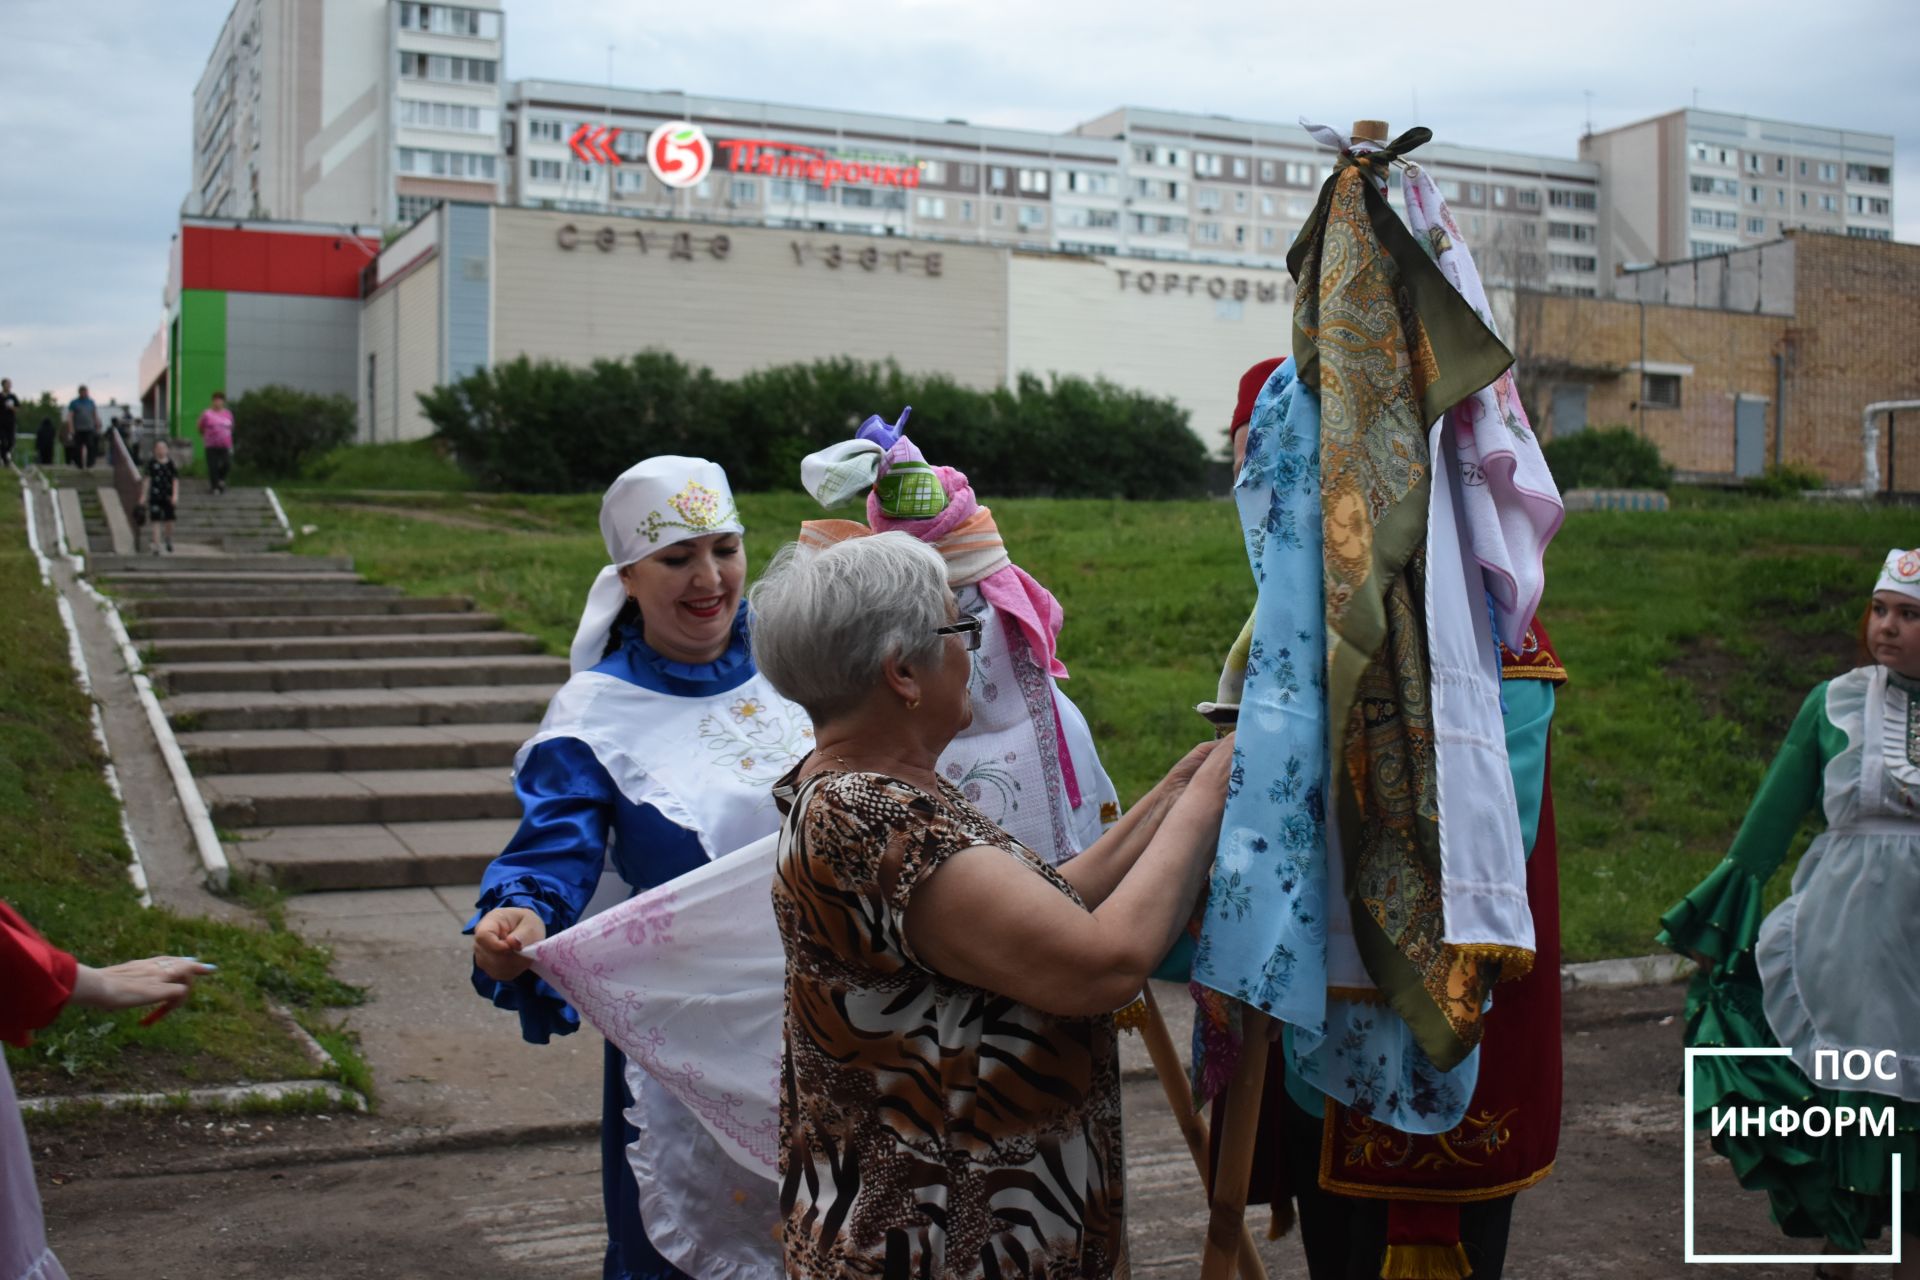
{"x":913,"y":704}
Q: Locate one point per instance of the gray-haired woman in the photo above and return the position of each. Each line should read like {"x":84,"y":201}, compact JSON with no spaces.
{"x":950,"y":1091}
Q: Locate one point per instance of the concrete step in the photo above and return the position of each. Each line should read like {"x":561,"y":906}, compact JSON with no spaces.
{"x":346,"y":750}
{"x":240,"y":567}
{"x":372,"y":855}
{"x":366,"y":796}
{"x":258,"y":627}
{"x":343,"y":708}
{"x":207,"y":586}
{"x":159,"y":578}
{"x":373,"y":601}
{"x":451,"y":644}
{"x":301,"y":675}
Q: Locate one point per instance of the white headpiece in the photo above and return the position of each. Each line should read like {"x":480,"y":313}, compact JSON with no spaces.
{"x":1901,"y":573}
{"x":653,"y":505}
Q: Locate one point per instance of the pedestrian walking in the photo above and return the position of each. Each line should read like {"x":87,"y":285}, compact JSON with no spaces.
{"x":216,"y":432}
{"x":43,"y":440}
{"x":160,"y":494}
{"x":9,"y":420}
{"x":1829,"y":973}
{"x":83,"y":429}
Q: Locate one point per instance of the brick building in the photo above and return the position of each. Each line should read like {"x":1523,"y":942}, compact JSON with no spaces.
{"x":1734,"y":361}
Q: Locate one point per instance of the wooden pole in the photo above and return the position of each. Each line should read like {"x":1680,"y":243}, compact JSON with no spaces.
{"x":1173,"y":1081}
{"x":1228,"y":1218}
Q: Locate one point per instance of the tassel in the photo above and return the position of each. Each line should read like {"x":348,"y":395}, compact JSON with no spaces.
{"x":1133,"y":1017}
{"x":1425,"y":1262}
{"x":1282,"y":1220}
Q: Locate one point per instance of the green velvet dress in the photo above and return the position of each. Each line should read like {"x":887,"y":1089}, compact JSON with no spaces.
{"x":1834,"y":967}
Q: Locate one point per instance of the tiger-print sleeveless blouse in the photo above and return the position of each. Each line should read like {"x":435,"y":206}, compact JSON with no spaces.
{"x":931,"y":1130}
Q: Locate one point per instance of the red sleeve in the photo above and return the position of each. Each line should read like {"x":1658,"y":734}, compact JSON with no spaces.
{"x":36,"y":976}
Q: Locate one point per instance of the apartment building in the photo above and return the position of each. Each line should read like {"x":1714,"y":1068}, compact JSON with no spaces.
{"x":1693,"y":183}
{"x":348,"y":112}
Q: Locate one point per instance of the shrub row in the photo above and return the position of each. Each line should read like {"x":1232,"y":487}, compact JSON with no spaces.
{"x":541,"y":427}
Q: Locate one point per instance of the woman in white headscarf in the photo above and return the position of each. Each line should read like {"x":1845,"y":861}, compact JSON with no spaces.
{"x":658,"y":755}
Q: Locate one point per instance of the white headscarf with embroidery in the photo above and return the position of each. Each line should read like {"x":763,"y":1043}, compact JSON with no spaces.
{"x":1901,"y":573}
{"x":653,"y":505}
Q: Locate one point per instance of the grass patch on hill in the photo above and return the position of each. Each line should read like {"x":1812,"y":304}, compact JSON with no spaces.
{"x":1692,"y":636}
{"x":63,"y":865}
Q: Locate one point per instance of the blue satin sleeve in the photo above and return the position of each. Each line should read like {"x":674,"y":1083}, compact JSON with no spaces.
{"x":569,"y":806}
{"x":1529,"y":713}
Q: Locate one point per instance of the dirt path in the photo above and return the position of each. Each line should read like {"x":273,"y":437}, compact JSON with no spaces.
{"x":306,"y":1200}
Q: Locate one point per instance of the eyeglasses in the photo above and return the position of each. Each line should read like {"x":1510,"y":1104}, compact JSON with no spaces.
{"x":969,"y":629}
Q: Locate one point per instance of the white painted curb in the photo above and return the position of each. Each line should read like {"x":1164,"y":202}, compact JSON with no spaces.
{"x":279,"y":513}
{"x":228,"y":1098}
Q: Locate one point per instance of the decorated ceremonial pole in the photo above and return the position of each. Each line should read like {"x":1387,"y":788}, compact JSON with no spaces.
{"x":1228,"y":1194}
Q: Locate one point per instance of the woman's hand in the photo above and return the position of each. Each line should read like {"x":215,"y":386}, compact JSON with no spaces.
{"x":1182,"y":774}
{"x":499,"y":937}
{"x":163,"y":980}
{"x":1209,"y":785}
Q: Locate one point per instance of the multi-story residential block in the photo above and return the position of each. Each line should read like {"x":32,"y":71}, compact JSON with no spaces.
{"x":1693,"y":183}
{"x":355,"y":112}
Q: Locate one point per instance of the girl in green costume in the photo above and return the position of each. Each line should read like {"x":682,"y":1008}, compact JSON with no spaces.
{"x":1833,"y":972}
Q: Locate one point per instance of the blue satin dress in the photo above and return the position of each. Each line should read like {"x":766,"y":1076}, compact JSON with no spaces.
{"x":570,"y":806}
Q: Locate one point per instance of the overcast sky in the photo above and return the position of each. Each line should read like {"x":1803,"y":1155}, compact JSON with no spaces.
{"x":96,"y":97}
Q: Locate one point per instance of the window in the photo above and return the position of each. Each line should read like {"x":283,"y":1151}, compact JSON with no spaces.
{"x":625,"y":179}
{"x":1173,"y":157}
{"x":1830,"y":204}
{"x":1753,"y":162}
{"x":1501,"y":195}
{"x":1803,"y":168}
{"x":1878,"y":206}
{"x":1207,"y":166}
{"x":1207,"y":232}
{"x":543,"y":131}
{"x":785,"y":191}
{"x":1299,"y":175}
{"x":1756,"y":226}
{"x":1754,"y":195}
{"x":997,"y":178}
{"x":1476,"y":193}
{"x":1779,"y":164}
{"x":1780,"y":197}
{"x":1266,"y":206}
{"x":966,"y":211}
{"x":1571,"y":199}
{"x":1527,"y":198}
{"x":450,"y":20}
{"x":1240,"y":235}
{"x":544,"y":170}
{"x":1153,"y":224}
{"x":1033,"y":215}
{"x":1705,"y":248}
{"x":1081,"y":182}
{"x":1870,"y":233}
{"x":1803,"y":199}
{"x":933,"y":171}
{"x":999,"y":214}
{"x":1239,"y":202}
{"x":436,"y":66}
{"x":1869,"y":173}
{"x":1449,"y":189}
{"x":1207,"y":198}
{"x":1584,"y":233}
{"x":1101,"y":218}
{"x":1660,"y":390}
{"x":1269,"y":171}
{"x":445,"y":164}
{"x":447,"y":115}
{"x":1713,"y":186}
{"x":745,"y":191}
{"x":930,"y":207}
{"x":1572,"y":262}
{"x":1829,"y":172}
{"x":410,"y":209}
{"x":1239,"y":166}
{"x":1033,"y":182}
{"x":969,"y":174}
{"x":1142,"y":153}
{"x":1266,"y":237}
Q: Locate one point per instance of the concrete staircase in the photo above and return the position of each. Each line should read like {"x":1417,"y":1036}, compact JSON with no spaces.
{"x":237,"y":521}
{"x":343,"y":735}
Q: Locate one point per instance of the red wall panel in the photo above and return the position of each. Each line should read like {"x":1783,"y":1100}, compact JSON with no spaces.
{"x":258,"y":261}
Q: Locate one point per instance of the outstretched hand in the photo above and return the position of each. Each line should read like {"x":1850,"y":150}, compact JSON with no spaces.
{"x":166,"y":981}
{"x":499,"y":938}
